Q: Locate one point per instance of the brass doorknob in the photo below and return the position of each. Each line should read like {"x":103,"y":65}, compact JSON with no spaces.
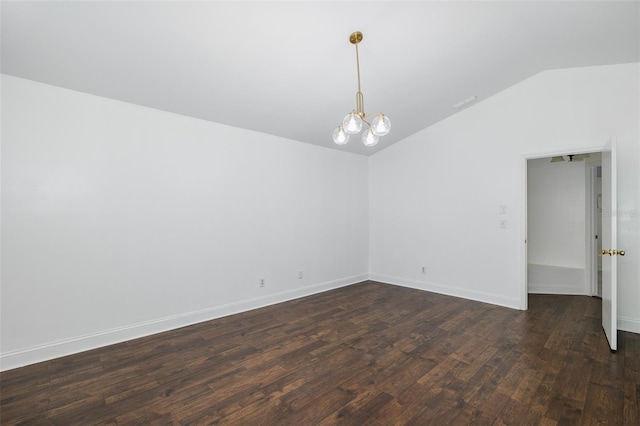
{"x":612,"y":252}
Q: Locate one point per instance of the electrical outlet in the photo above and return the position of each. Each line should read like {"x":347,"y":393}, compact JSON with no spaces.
{"x":424,"y":270}
{"x":503,"y":224}
{"x":261,"y":282}
{"x":300,"y":275}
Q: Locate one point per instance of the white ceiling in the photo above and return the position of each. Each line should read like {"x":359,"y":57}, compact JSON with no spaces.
{"x":288,"y":69}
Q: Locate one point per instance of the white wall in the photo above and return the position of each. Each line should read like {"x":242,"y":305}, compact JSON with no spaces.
{"x":119,"y":221}
{"x":434,"y":197}
{"x":556,"y":213}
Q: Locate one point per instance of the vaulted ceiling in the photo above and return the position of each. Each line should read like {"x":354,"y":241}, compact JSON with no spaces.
{"x":288,"y":69}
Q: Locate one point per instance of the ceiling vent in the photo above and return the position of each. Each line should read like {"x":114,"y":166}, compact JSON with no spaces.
{"x":466,"y":102}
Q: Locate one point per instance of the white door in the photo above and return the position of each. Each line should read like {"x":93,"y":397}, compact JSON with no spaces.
{"x":609,"y":245}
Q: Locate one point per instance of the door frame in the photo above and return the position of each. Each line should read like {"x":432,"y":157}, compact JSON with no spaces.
{"x":524,"y":276}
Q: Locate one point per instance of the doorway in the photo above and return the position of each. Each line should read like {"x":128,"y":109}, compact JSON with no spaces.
{"x":608,"y":239}
{"x":563,"y":222}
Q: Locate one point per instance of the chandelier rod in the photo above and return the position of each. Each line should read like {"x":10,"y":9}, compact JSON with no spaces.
{"x":358,"y":67}
{"x":359,"y":95}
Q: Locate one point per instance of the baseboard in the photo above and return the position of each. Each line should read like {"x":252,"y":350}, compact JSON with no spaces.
{"x":575,"y":290}
{"x":45,"y":352}
{"x":479,"y":296}
{"x":554,"y":279}
{"x":631,"y":325}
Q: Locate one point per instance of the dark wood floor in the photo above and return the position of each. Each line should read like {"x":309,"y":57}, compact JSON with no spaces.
{"x":365,"y":354}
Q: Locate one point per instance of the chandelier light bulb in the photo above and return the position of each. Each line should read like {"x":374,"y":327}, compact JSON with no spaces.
{"x":369,"y":138}
{"x":380,"y":125}
{"x":340,"y":137}
{"x":352,"y":123}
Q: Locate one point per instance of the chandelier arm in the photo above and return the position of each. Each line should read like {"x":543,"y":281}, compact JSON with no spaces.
{"x":372,"y":114}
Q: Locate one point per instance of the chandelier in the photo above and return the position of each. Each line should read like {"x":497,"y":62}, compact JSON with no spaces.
{"x":352,"y":123}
